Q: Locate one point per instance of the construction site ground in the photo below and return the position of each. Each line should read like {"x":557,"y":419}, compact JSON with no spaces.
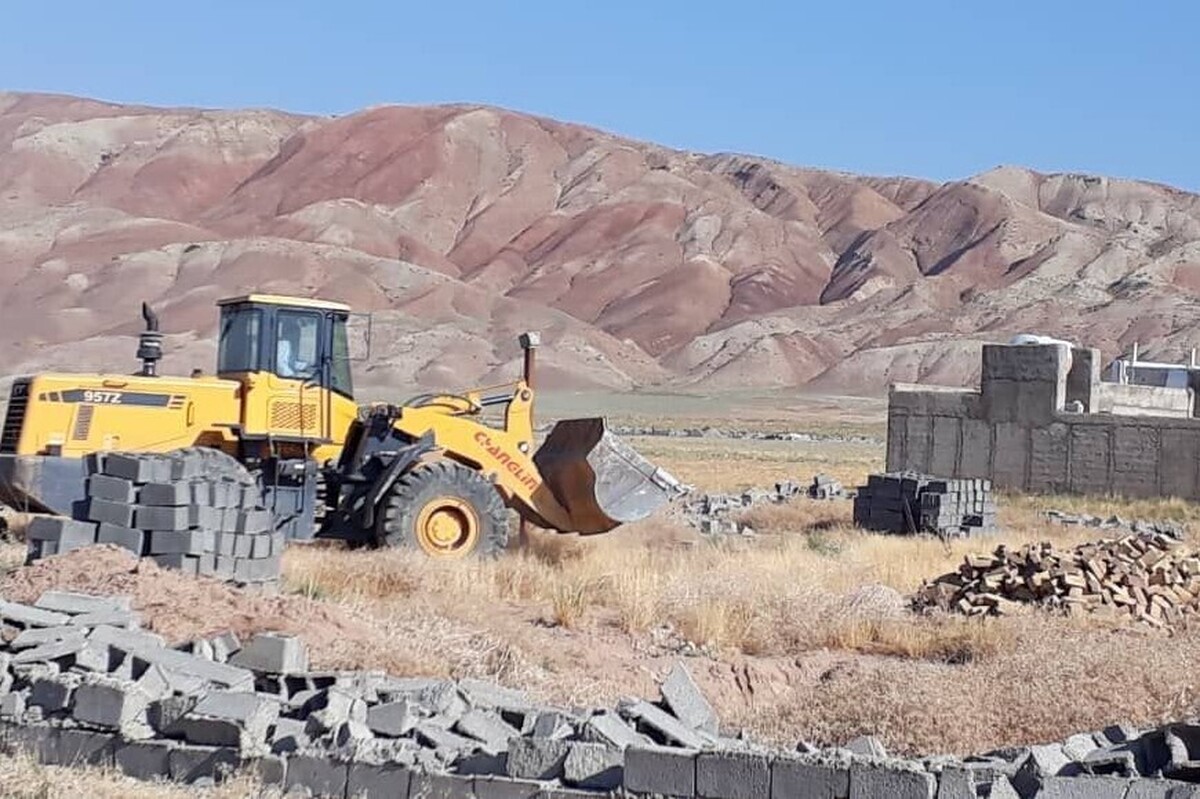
{"x":802,"y":631}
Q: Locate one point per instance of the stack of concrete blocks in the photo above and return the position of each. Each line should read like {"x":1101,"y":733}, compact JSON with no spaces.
{"x":910,"y":503}
{"x":1042,"y":422}
{"x":196,"y":510}
{"x":825,"y":487}
{"x":82,"y":685}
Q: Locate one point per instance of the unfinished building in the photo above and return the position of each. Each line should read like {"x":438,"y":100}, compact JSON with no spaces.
{"x":1042,"y":421}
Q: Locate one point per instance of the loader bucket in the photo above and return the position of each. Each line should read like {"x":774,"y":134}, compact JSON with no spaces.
{"x":599,"y":479}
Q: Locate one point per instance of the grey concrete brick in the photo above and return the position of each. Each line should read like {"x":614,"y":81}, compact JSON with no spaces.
{"x":113,"y":704}
{"x":488,"y":728}
{"x":1084,"y":787}
{"x":230,"y":718}
{"x":956,"y":783}
{"x":206,"y":564}
{"x":660,"y":770}
{"x":243,"y":545}
{"x":436,"y":737}
{"x":135,"y":468}
{"x":269,"y":769}
{"x":204,"y":517}
{"x":126,"y":640}
{"x":592,"y":765}
{"x":109,"y":618}
{"x":224,"y":546}
{"x":288,"y":735}
{"x":495,"y":787}
{"x":53,"y":693}
{"x":116,"y":513}
{"x":170,"y":660}
{"x":191,"y":764}
{"x":482,"y":694}
{"x":254,"y":521}
{"x":551,"y":724}
{"x":152,"y":518}
{"x":125,"y":537}
{"x":38,"y":636}
{"x":392,"y":719}
{"x":665,"y":725}
{"x":610,"y":728}
{"x":870,"y":779}
{"x":1045,"y":760}
{"x":169,"y":542}
{"x":320,"y":775}
{"x":260,"y":546}
{"x":84,"y":748}
{"x":177,"y":561}
{"x":369,"y":781}
{"x":113,"y":489}
{"x":1162,"y":789}
{"x":810,"y":776}
{"x":424,"y":785}
{"x":866,"y":745}
{"x":537,"y":758}
{"x":39,"y":741}
{"x":732,"y":775}
{"x":223,"y":567}
{"x":144,"y":760}
{"x":57,"y":651}
{"x":65,"y":534}
{"x":685,"y":700}
{"x":273,"y":653}
{"x":224,"y":646}
{"x":12,"y":705}
{"x":482,"y":763}
{"x":165,"y":494}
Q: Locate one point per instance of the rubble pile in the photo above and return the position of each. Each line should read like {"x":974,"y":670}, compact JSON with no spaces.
{"x":82,"y":684}
{"x":910,"y":503}
{"x":742,"y":435}
{"x":713,"y":514}
{"x":195,"y":510}
{"x":1150,"y":577}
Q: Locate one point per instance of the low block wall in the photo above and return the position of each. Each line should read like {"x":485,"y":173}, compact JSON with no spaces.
{"x":1016,"y":431}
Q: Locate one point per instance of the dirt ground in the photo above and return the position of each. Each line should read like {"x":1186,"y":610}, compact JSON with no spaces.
{"x":802,"y":632}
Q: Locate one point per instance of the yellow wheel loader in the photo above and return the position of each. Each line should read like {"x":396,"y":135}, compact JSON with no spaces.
{"x":431,"y":474}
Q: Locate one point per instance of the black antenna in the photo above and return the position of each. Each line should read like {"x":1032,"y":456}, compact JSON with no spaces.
{"x":150,"y":343}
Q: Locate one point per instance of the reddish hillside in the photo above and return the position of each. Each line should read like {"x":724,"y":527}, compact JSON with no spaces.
{"x":460,"y":226}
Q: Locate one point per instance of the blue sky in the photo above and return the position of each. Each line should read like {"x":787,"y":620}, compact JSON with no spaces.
{"x":934,"y":89}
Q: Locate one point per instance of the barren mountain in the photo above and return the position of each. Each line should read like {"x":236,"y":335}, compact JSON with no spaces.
{"x":460,"y":226}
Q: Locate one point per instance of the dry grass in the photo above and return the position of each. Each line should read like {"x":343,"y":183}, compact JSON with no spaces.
{"x":23,"y":778}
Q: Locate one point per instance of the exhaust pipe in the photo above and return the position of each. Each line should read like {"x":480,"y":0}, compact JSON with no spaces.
{"x":150,"y":343}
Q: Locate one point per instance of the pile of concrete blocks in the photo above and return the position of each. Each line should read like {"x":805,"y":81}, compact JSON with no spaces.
{"x":195,"y":510}
{"x":714,"y":514}
{"x":1150,"y":578}
{"x":910,"y":503}
{"x":82,"y":684}
{"x":825,"y":487}
{"x":1171,"y":529}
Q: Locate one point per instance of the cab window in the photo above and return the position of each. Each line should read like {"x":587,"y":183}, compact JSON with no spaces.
{"x":297,"y":344}
{"x":341,"y":380}
{"x":239,"y":342}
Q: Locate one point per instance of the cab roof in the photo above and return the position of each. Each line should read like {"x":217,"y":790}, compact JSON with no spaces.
{"x":279,"y":299}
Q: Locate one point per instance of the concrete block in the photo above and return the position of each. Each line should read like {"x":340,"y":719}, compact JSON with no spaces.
{"x":1135,"y":460}
{"x":260,"y":546}
{"x":253,"y":521}
{"x":918,"y":442}
{"x":1084,"y":787}
{"x":126,"y":640}
{"x":66,"y":533}
{"x":53,"y":693}
{"x":39,"y":636}
{"x":392,"y":719}
{"x":169,"y":542}
{"x":665,"y":725}
{"x":125,"y":537}
{"x":976,"y":456}
{"x":1043,"y":761}
{"x":230,"y":718}
{"x":144,"y":760}
{"x":385,"y":781}
{"x":488,"y":728}
{"x":135,"y":468}
{"x":810,"y":776}
{"x":113,"y":489}
{"x":504,"y":788}
{"x":1011,"y":456}
{"x":173,"y":661}
{"x":206,"y":564}
{"x":552,"y":724}
{"x":1048,"y":458}
{"x":288,"y":735}
{"x":152,"y":518}
{"x":39,"y":741}
{"x":733,"y":775}
{"x":320,"y":775}
{"x":204,"y":517}
{"x":596,"y":766}
{"x":165,"y":494}
{"x":273,"y":653}
{"x":893,"y":779}
{"x":425,"y":785}
{"x":866,"y":745}
{"x":269,"y":769}
{"x":224,"y":646}
{"x":178,"y":561}
{"x":1091,"y":458}
{"x":943,"y":456}
{"x":113,"y":704}
{"x":956,"y":783}
{"x":482,"y":694}
{"x":93,"y":463}
{"x":115,"y":513}
{"x":1179,"y":468}
{"x":62,"y":652}
{"x":243,"y":545}
{"x":660,"y":770}
{"x":191,"y":764}
{"x":537,"y":758}
{"x":26,"y":616}
{"x":12,"y":705}
{"x":684,"y":698}
{"x":223,"y":567}
{"x":84,"y":748}
{"x":437,"y":737}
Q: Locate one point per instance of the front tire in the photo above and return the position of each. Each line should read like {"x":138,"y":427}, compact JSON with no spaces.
{"x":445,"y":510}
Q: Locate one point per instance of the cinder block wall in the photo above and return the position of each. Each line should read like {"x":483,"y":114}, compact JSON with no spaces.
{"x":1016,"y":429}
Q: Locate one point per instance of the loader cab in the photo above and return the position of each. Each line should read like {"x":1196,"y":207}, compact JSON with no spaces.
{"x":291,"y":356}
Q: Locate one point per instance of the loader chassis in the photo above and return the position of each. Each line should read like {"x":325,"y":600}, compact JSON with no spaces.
{"x":282,"y":403}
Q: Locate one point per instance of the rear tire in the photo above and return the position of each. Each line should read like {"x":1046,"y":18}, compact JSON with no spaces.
{"x":445,"y":510}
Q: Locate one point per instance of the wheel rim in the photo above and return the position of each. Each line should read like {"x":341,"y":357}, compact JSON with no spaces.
{"x":447,"y":527}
